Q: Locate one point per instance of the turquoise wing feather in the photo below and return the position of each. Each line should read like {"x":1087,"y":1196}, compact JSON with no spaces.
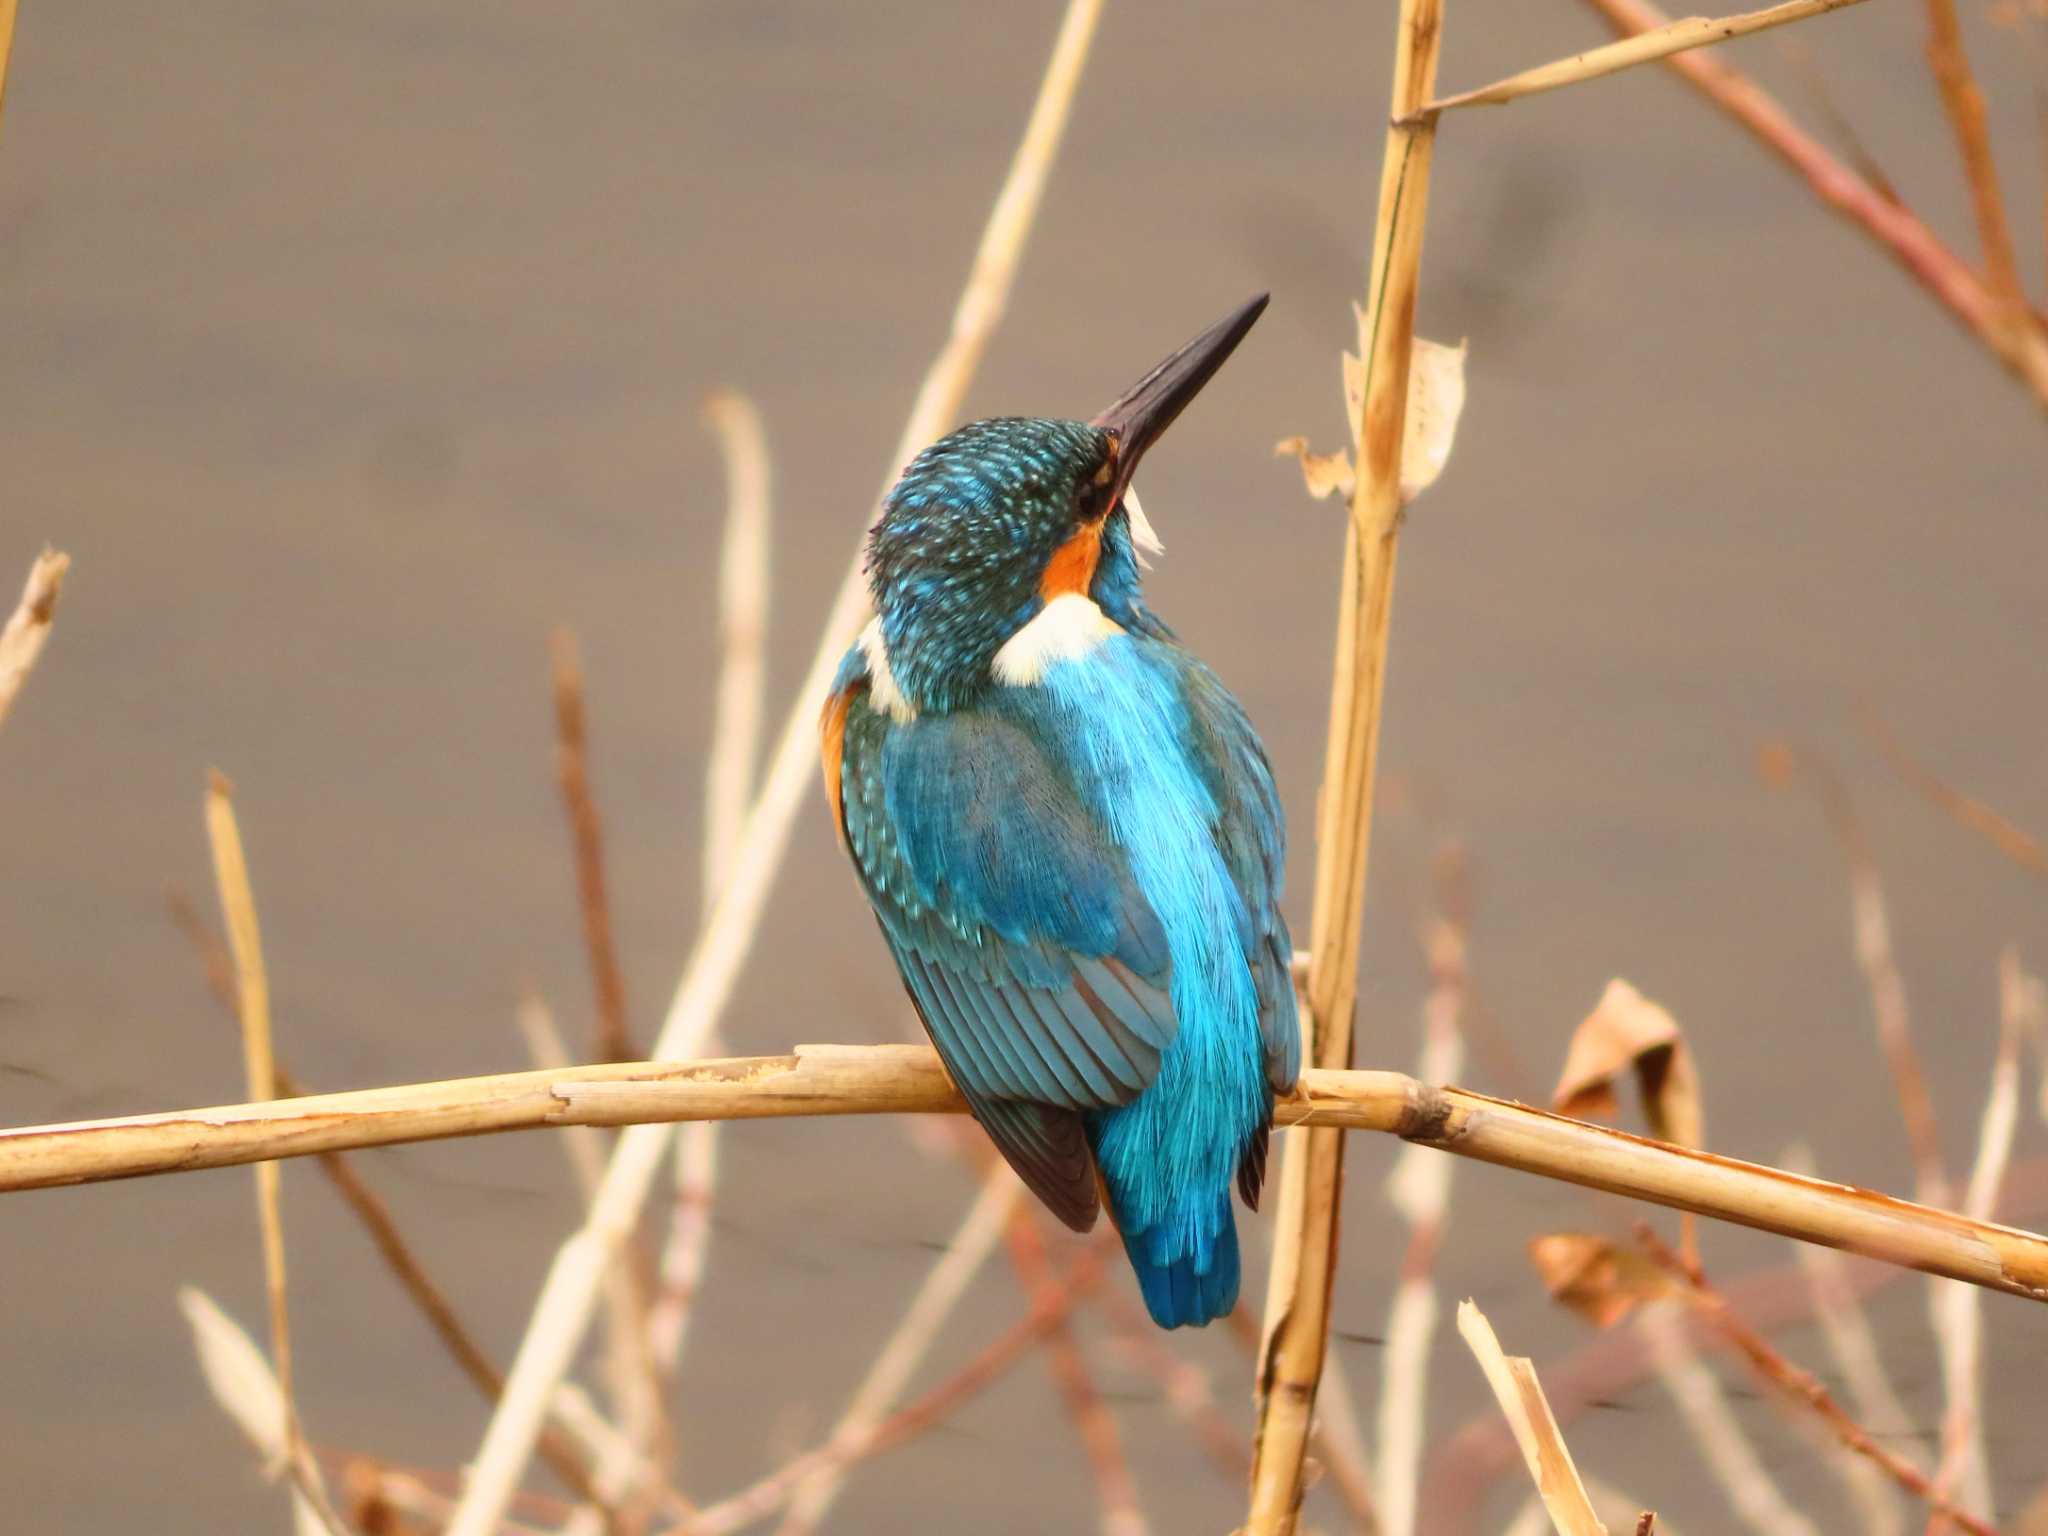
{"x":1038,"y":967}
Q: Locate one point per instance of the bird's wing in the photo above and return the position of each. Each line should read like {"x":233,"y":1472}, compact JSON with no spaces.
{"x":1251,"y":833}
{"x":1040,"y":970}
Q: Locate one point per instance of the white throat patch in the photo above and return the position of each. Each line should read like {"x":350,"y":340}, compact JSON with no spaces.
{"x":1143,"y":540}
{"x":1067,"y":628}
{"x":882,"y":690}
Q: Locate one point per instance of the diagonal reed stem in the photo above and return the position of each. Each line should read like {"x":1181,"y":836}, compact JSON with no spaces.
{"x":561,"y":1314}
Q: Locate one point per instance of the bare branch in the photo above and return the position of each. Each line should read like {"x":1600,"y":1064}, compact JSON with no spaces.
{"x":1643,"y":48}
{"x":562,"y":1312}
{"x":613,"y":1040}
{"x":893,"y":1079}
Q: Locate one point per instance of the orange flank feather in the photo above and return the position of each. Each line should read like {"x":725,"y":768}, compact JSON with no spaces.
{"x":832,"y":749}
{"x":1072,"y":567}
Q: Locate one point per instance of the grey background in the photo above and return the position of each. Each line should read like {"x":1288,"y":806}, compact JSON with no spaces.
{"x":347,"y":348}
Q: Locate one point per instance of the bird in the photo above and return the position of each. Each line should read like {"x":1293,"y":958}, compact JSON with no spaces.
{"x":1070,"y":834}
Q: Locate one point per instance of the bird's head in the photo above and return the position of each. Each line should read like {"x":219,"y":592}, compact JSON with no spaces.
{"x":999,"y":519}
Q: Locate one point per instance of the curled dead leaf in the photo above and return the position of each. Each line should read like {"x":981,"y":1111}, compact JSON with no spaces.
{"x":1627,"y":1031}
{"x":1322,"y":473}
{"x":1595,"y":1277}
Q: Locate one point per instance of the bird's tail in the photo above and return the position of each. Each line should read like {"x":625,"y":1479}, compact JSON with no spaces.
{"x":1187,"y":1264}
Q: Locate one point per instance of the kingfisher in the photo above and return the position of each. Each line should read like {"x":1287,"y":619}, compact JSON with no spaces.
{"x":1070,"y":835}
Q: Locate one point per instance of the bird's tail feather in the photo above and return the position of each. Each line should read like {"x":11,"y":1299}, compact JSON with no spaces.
{"x":1195,"y":1285}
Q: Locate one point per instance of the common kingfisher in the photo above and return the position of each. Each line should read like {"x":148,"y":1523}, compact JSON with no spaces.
{"x":1069,"y":832}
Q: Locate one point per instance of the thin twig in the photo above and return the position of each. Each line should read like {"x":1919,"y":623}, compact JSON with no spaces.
{"x":1836,"y":121}
{"x":1750,"y":1490}
{"x":370,"y":1208}
{"x":1184,"y":1385}
{"x":1853,"y":1346}
{"x":252,"y":990}
{"x":684,"y":1257}
{"x":1115,"y":1490}
{"x":2004,"y":834}
{"x":613,"y":1039}
{"x":1963,"y":101}
{"x":1799,"y":1385}
{"x":1643,"y":48}
{"x":771,"y":1493}
{"x":941,"y":1291}
{"x":1958,"y":1320}
{"x":28,"y":628}
{"x":1299,"y":1285}
{"x":1874,"y":954}
{"x":1901,"y":233}
{"x":562,"y":1312}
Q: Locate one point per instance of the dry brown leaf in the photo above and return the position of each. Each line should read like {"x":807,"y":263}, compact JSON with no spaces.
{"x":1625,"y":1031}
{"x":1322,"y":473}
{"x":1595,"y":1277}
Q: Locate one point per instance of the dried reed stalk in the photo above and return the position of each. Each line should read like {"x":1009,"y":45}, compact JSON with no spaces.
{"x":1800,"y":1386}
{"x":901,"y":1079}
{"x":562,"y":1312}
{"x":1643,"y":48}
{"x":633,"y":1374}
{"x":613,"y":1039}
{"x":1521,"y":1399}
{"x":1898,"y":231}
{"x":943,"y":1286}
{"x":1958,"y":1320}
{"x":1115,"y":1490}
{"x":1420,"y":1189}
{"x":252,"y":992}
{"x":743,"y":596}
{"x":1311,"y":1167}
{"x":28,"y":628}
{"x":742,"y":631}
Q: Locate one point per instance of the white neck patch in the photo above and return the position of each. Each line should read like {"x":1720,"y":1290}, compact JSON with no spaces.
{"x":1065,"y":629}
{"x":882,"y":690}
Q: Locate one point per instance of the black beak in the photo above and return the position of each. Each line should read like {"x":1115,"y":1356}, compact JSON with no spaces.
{"x":1149,"y":407}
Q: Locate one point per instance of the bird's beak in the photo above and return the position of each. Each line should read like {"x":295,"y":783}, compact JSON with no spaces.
{"x":1149,"y":407}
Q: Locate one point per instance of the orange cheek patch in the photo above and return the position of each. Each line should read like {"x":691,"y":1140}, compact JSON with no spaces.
{"x":832,"y":752}
{"x":1072,"y":567}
